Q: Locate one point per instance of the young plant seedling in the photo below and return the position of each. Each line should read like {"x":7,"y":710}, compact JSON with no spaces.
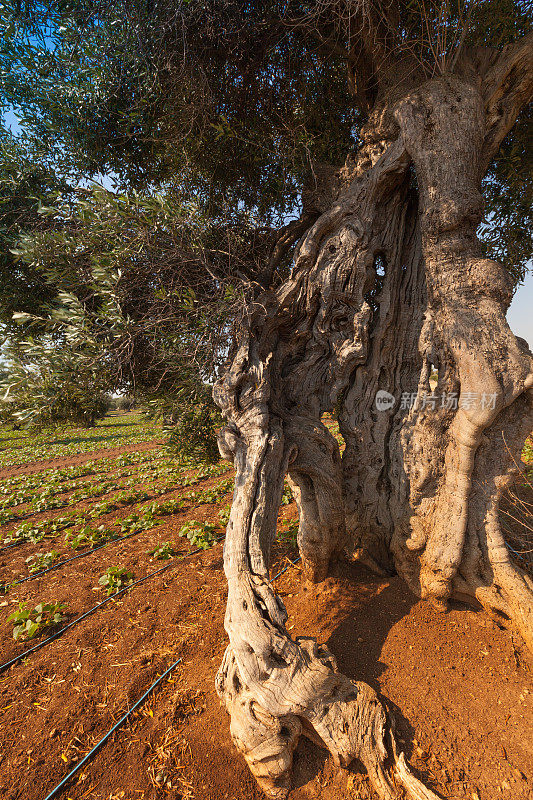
{"x":200,"y":534}
{"x":114,"y":579}
{"x":27,"y":532}
{"x":29,"y":622}
{"x":41,"y":561}
{"x":91,"y":537}
{"x":163,"y":552}
{"x":224,"y":514}
{"x":289,"y":534}
{"x":287,"y":497}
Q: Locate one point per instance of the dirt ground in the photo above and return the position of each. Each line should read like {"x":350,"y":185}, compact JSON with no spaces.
{"x":459,"y":687}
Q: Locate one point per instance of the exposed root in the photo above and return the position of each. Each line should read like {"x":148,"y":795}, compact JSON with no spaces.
{"x":276,"y":688}
{"x":412,"y":785}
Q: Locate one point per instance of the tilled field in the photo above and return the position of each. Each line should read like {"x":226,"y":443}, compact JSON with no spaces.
{"x":459,"y":687}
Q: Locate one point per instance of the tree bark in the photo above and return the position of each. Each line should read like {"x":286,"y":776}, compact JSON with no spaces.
{"x":466,"y":335}
{"x":388,"y":281}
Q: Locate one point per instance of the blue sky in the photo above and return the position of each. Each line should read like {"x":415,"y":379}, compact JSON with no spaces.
{"x":11,"y":121}
{"x":520,"y":314}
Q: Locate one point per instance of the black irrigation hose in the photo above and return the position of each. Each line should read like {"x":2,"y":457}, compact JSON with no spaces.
{"x":9,"y":546}
{"x":74,"y":558}
{"x":27,"y":516}
{"x":516,"y":553}
{"x":14,"y":544}
{"x":60,"y":786}
{"x":86,"y":614}
{"x":63,"y":783}
{"x":24,"y":464}
{"x":80,"y":555}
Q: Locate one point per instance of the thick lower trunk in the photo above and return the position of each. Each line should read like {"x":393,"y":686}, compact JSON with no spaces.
{"x":467,"y":337}
{"x":386,"y":283}
{"x":375,"y":483}
{"x":418,"y":499}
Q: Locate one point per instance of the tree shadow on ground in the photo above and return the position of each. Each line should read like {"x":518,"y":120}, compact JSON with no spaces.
{"x":365,"y":620}
{"x":361,"y":610}
{"x":352,"y":612}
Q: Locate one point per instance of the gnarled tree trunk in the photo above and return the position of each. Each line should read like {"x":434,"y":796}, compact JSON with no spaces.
{"x":389,"y":281}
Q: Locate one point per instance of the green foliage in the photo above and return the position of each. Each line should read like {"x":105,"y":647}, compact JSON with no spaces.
{"x":30,"y":622}
{"x":163,"y":552}
{"x":200,"y":534}
{"x":27,"y":185}
{"x":48,"y":386}
{"x":230,"y":103}
{"x":136,"y":522}
{"x":507,"y":230}
{"x":224,"y":515}
{"x":527,"y":453}
{"x":41,"y":561}
{"x":26,"y":446}
{"x":194,"y":432}
{"x":135,"y":308}
{"x":287,"y":497}
{"x":28,"y":532}
{"x":114,"y":579}
{"x":288,"y":532}
{"x":213,"y":495}
{"x":527,"y":458}
{"x":147,"y":93}
{"x":91,"y":537}
{"x":122,"y":403}
{"x":210,"y":120}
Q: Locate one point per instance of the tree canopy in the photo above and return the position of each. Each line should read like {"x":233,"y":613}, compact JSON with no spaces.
{"x":235,"y":104}
{"x":213,"y":123}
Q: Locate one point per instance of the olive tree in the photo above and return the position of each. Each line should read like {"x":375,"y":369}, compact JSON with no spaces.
{"x":388,"y":123}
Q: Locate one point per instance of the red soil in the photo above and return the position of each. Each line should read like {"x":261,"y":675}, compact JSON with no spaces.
{"x":459,"y":687}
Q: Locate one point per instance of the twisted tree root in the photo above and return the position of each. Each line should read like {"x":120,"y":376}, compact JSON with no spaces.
{"x":276,"y":689}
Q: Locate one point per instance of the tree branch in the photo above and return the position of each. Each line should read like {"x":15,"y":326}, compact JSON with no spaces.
{"x":285,"y":238}
{"x":507,"y":87}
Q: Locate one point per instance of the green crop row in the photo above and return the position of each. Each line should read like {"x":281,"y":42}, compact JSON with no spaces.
{"x":25,"y":447}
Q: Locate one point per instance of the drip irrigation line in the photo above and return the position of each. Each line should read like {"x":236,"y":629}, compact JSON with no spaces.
{"x":88,"y":613}
{"x":89,"y":460}
{"x":63,"y":490}
{"x":16,"y":544}
{"x":85,"y":760}
{"x":290,"y":564}
{"x":74,"y":558}
{"x":520,"y":555}
{"x":9,"y":546}
{"x":27,"y":516}
{"x":57,"y":634}
{"x":81,"y":555}
{"x":19,"y":542}
{"x":60,"y":786}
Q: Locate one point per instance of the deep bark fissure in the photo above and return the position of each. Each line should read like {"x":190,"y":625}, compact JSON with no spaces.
{"x":417,"y":489}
